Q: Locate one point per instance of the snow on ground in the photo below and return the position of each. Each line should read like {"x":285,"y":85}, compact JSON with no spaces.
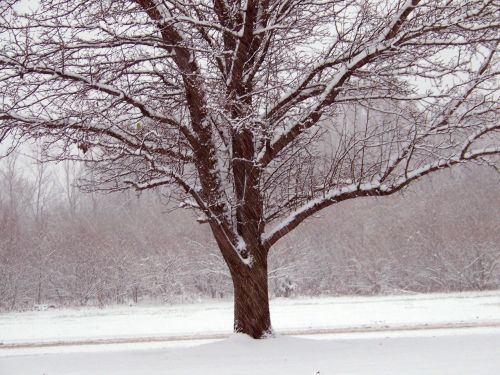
{"x":460,"y":353}
{"x":215,"y":318}
{"x":386,"y":350}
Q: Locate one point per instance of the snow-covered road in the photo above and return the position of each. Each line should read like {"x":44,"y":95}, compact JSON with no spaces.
{"x":461,"y":352}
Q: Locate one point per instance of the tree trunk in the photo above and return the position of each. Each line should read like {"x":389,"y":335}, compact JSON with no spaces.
{"x":251,"y":300}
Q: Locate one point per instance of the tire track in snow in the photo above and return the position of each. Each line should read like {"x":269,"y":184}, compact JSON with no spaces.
{"x":285,"y":332}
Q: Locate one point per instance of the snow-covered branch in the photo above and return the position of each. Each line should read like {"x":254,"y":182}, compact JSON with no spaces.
{"x":364,"y":190}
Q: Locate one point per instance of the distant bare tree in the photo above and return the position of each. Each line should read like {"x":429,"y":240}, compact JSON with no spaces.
{"x":14,"y":199}
{"x":246,"y":109}
{"x":69,"y":178}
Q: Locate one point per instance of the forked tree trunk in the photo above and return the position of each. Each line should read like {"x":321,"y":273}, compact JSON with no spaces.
{"x":251,"y":300}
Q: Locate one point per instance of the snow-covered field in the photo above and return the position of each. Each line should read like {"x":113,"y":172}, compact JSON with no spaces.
{"x":215,"y":318}
{"x":419,"y":334}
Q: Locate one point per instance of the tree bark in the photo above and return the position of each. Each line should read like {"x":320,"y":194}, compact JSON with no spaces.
{"x":251,"y":299}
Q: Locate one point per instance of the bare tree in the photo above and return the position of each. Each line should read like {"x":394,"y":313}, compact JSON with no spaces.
{"x":14,"y":199}
{"x":256,"y":114}
{"x":70,"y":174}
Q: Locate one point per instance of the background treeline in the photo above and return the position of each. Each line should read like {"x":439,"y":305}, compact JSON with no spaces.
{"x":62,"y":247}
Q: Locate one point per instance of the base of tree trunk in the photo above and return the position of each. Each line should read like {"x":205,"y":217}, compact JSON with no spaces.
{"x":251,"y":302}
